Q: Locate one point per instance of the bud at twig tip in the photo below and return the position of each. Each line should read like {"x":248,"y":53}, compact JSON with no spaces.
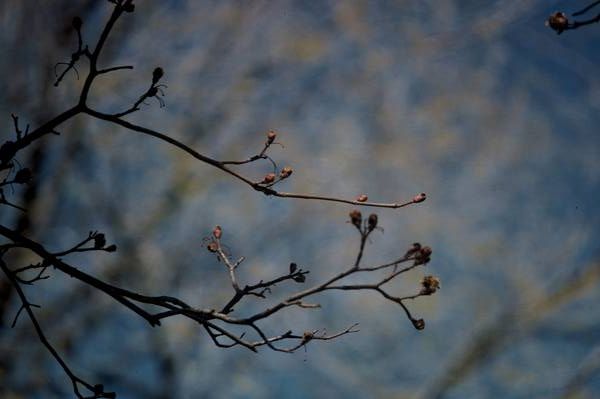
{"x":419,"y":198}
{"x":372,"y":222}
{"x":286,"y":172}
{"x":356,"y":218}
{"x":558,"y":22}
{"x":157,"y":74}
{"x":268,"y":179}
{"x":76,"y":23}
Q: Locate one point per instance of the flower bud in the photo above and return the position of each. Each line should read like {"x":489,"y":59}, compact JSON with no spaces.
{"x":307,"y":336}
{"x":418,"y":323}
{"x":423,"y":256}
{"x":286,"y":172}
{"x":426,"y":251}
{"x":419,"y":198}
{"x":372,"y":222}
{"x":416,"y":247}
{"x":99,"y":241}
{"x":271,"y":135}
{"x":217,"y":232}
{"x":429,"y":284}
{"x":299,"y":278}
{"x":157,"y":74}
{"x":362,"y":198}
{"x":212,"y":247}
{"x":558,"y":22}
{"x":356,"y":218}
{"x":111,"y":248}
{"x":268,"y":179}
{"x":76,"y":23}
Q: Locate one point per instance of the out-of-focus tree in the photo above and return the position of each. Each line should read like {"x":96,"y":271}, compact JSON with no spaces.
{"x":477,"y":103}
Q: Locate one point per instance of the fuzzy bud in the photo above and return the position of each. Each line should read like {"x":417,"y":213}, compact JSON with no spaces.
{"x":429,"y":284}
{"x":423,"y":256}
{"x":419,"y":198}
{"x":372,"y":222}
{"x":293,"y":267}
{"x":558,"y":22}
{"x":217,"y":232}
{"x":299,"y":278}
{"x":416,"y":247}
{"x":99,"y":241}
{"x":268,"y":179}
{"x":286,"y":172}
{"x":426,"y":251}
{"x":362,"y":198}
{"x":271,"y":135}
{"x":212,"y":247}
{"x":157,"y":74}
{"x":356,"y":218}
{"x":307,"y":336}
{"x":418,"y":323}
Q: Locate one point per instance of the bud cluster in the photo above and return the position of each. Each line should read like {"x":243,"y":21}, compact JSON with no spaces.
{"x":429,"y":284}
{"x":558,"y":22}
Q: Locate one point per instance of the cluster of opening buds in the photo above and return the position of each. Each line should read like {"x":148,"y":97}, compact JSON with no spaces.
{"x":429,"y":285}
{"x":99,"y":240}
{"x":421,"y":254}
{"x":366,"y":226}
{"x":213,"y":244}
{"x":274,"y":177}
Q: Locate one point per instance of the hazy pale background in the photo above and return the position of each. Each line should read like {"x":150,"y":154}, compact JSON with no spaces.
{"x":476,"y":103}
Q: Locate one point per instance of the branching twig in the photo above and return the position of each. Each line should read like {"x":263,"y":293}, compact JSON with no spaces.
{"x":153,"y":309}
{"x":559,"y":22}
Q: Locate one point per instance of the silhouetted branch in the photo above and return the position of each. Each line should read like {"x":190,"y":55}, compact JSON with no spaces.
{"x":559,"y":21}
{"x":96,"y":390}
{"x":153,"y":309}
